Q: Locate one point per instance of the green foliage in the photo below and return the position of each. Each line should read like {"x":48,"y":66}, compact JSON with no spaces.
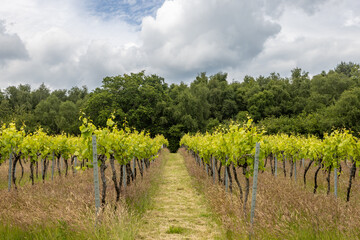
{"x":299,"y":104}
{"x":232,"y":143}
{"x":176,"y":230}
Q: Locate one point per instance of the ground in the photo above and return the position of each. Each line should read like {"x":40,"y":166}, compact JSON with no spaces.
{"x":179,"y":211}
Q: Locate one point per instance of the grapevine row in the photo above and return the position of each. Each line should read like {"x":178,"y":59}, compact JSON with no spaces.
{"x":113,"y":144}
{"x":234,"y":147}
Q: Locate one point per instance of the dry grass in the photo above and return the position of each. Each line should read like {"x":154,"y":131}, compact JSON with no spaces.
{"x":178,"y":210}
{"x":70,"y":201}
{"x":285,"y":209}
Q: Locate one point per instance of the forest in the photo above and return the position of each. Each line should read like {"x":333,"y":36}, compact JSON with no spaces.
{"x":300,"y":104}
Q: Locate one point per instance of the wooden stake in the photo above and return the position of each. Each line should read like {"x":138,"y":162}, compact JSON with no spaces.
{"x":96,"y":179}
{"x":254,"y":188}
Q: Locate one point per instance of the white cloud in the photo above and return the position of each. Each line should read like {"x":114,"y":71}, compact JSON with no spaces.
{"x":63,"y":43}
{"x":60,"y":37}
{"x":314,"y":43}
{"x":199,"y":35}
{"x":276,"y":8}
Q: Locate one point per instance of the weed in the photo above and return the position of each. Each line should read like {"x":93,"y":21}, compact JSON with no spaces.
{"x":175,"y":230}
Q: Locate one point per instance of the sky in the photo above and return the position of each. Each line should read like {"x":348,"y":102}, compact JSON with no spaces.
{"x":79,"y":42}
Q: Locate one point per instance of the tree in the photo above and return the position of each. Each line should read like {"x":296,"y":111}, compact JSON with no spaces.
{"x":67,"y":119}
{"x":299,"y":90}
{"x":61,"y":94}
{"x":345,"y":68}
{"x":46,"y":113}
{"x":39,"y":94}
{"x":100,"y":106}
{"x":19,"y":97}
{"x":330,"y":86}
{"x":76,"y":94}
{"x":5,"y":110}
{"x":346,"y":111}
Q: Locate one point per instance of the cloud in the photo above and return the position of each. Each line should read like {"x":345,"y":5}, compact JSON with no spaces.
{"x":314,"y":42}
{"x":11,"y":46}
{"x":312,"y":55}
{"x":79,"y":42}
{"x":66,"y":44}
{"x":70,"y":45}
{"x":195,"y":36}
{"x":276,"y":8}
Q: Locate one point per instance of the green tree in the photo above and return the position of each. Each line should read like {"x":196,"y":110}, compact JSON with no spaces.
{"x":67,"y":119}
{"x":345,"y":68}
{"x":346,"y":111}
{"x":299,"y":90}
{"x":39,"y":94}
{"x":76,"y":94}
{"x":46,"y":113}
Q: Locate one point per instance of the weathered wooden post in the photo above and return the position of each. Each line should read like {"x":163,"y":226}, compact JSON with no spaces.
{"x":275,"y":165}
{"x":335,"y":182}
{"x":213,"y":167}
{"x":53,"y":166}
{"x":10,"y":165}
{"x":254,"y":188}
{"x":226,"y":175}
{"x":96,"y":179}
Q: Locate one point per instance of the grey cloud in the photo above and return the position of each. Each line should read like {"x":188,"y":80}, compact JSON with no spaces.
{"x":311,"y":54}
{"x":309,"y":6}
{"x":275,"y":8}
{"x":56,"y":47}
{"x":193,"y":36}
{"x":101,"y":60}
{"x":184,"y":39}
{"x":11,"y":46}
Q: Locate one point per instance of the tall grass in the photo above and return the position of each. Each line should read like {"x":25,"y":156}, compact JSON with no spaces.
{"x":65,"y":208}
{"x":284,"y":208}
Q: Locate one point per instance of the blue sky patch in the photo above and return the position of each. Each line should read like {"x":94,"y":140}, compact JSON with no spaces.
{"x":131,"y":11}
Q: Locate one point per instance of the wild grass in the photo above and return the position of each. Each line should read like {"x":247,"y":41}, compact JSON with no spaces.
{"x":178,"y":210}
{"x":65,"y":208}
{"x":25,"y":179}
{"x":176,"y":230}
{"x":285,"y":209}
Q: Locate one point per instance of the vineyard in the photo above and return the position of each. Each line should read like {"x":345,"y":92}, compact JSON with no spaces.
{"x":279,"y":189}
{"x":295,"y":162}
{"x":38,"y":157}
{"x":39,"y":149}
{"x":234,"y":148}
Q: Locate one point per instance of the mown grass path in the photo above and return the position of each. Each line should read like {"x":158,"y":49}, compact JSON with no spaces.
{"x":178,"y":211}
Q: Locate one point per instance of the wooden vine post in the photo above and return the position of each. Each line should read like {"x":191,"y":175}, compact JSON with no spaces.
{"x":75,"y":164}
{"x":134,"y":165}
{"x":295,"y":170}
{"x":213,"y":169}
{"x":96,"y":179}
{"x":61,"y":163}
{"x":124,"y":176}
{"x":42,"y":167}
{"x":10,"y":165}
{"x":335,"y":182}
{"x":52,"y":166}
{"x":275,"y":166}
{"x":226,"y":175}
{"x":254,"y":188}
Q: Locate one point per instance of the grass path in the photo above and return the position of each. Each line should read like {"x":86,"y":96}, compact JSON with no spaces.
{"x":178,"y":210}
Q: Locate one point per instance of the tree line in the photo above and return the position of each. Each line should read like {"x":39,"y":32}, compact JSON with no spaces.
{"x":296,"y":104}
